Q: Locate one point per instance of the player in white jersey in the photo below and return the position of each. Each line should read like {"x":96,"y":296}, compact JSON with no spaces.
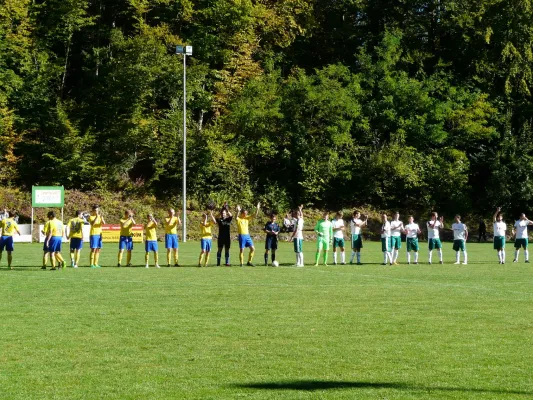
{"x":338,"y":238}
{"x":396,"y":228}
{"x":434,"y":225}
{"x":412,"y":231}
{"x":499,"y":235}
{"x":460,"y":236}
{"x":385,"y":240}
{"x":298,"y":236}
{"x":521,"y":236}
{"x":356,"y":225}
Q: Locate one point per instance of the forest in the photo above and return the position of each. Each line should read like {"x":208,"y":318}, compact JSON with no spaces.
{"x":407,"y":104}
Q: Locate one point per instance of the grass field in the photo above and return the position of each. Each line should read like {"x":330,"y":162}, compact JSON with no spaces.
{"x":337,"y":332}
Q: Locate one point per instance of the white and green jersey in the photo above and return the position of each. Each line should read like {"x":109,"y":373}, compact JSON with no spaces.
{"x":500,"y":228}
{"x":412,"y":230}
{"x":459,"y":231}
{"x":337,"y":225}
{"x":433,"y":231}
{"x":521,"y":229}
{"x":385,"y":227}
{"x":396,"y":228}
{"x":299,"y":229}
{"x":355,"y":226}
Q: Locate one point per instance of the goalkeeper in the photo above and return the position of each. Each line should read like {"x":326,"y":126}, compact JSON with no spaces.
{"x":324,"y":231}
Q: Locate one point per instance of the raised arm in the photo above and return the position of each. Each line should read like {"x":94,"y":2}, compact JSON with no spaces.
{"x":213,"y":217}
{"x":257,"y":210}
{"x":498,"y":210}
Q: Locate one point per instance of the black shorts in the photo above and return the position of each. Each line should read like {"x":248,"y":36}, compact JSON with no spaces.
{"x":224,"y":242}
{"x":271,"y":243}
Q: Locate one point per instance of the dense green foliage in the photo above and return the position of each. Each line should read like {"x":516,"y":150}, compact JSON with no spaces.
{"x":411,"y":104}
{"x":341,"y":333}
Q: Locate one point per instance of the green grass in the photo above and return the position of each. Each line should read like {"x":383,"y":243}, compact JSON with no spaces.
{"x":344,"y":332}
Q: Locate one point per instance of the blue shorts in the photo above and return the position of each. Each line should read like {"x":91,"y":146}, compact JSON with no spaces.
{"x":54,"y":245}
{"x":171,"y":241}
{"x":95,"y":241}
{"x":125,"y":243}
{"x":206,"y":244}
{"x":245,"y":241}
{"x":271,"y":242}
{"x":7,"y":243}
{"x":150,"y":245}
{"x":76,"y":244}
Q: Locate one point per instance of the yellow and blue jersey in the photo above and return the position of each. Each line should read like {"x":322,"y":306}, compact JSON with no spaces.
{"x":171,"y":225}
{"x":242,"y":225}
{"x":126,"y":227}
{"x":8,"y":227}
{"x":96,"y":224}
{"x":151,"y":231}
{"x":205,"y":230}
{"x":75,"y":227}
{"x":56,"y":228}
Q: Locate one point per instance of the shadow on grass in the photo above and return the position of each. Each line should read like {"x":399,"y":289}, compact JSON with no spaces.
{"x":312,"y":385}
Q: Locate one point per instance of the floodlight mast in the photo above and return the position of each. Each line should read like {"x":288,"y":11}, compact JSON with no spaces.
{"x":186,"y":51}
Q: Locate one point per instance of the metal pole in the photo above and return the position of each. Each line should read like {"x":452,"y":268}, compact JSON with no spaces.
{"x":184,"y":221}
{"x":31,"y":228}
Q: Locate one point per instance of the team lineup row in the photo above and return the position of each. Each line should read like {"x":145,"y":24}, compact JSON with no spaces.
{"x":328,"y":232}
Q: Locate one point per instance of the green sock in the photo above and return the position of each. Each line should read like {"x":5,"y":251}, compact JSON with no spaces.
{"x":317,"y":256}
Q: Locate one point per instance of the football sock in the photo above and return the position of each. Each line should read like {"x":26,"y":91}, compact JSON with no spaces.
{"x":206,"y":259}
{"x":169,"y":257}
{"x":440,"y":254}
{"x":176,"y":256}
{"x":273,"y":256}
{"x":251,"y":256}
{"x":200,"y":258}
{"x":343,"y":257}
{"x":358,"y":256}
{"x":146,"y":257}
{"x":156,"y":257}
{"x":516,"y":253}
{"x":465,"y":257}
{"x":53,"y":259}
{"x":325,"y":258}
{"x":120,"y":254}
{"x":128,"y":258}
{"x":317,"y":256}
{"x":227,"y":256}
{"x":499,"y":255}
{"x":430,"y":255}
{"x":334,"y":256}
{"x":78,"y":255}
{"x":9,"y":259}
{"x":219,"y":256}
{"x":503,"y":255}
{"x":416,"y":256}
{"x":60,"y":257}
{"x":301,"y":258}
{"x":297,"y":258}
{"x":96,"y":257}
{"x":457,"y":257}
{"x":526,"y":254}
{"x":73,"y":256}
{"x":266,"y":258}
{"x":385,"y":257}
{"x":91,"y":257}
{"x":408,"y":257}
{"x":352,"y":256}
{"x":241,"y":258}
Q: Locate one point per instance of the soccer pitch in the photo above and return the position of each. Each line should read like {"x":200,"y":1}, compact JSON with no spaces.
{"x":337,"y":332}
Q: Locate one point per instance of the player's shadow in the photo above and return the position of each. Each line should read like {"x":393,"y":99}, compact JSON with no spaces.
{"x":315,"y":385}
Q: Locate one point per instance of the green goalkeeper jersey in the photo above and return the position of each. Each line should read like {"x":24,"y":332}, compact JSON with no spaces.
{"x":325,"y":228}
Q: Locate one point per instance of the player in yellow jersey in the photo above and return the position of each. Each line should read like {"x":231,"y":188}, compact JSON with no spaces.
{"x":126,"y":237}
{"x":243,"y":220}
{"x":8,"y":227}
{"x":206,"y":238}
{"x":150,"y":229}
{"x":95,"y":239}
{"x":74,"y":231}
{"x":53,"y":240}
{"x":171,"y":223}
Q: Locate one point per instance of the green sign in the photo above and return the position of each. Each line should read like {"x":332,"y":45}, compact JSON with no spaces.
{"x":47,"y":196}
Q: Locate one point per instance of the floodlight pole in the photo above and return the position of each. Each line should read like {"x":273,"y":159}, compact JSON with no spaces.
{"x":185,"y":50}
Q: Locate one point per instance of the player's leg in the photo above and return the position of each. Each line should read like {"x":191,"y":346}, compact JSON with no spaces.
{"x":318,"y":250}
{"x":335,"y":243}
{"x":517,"y":245}
{"x":220,"y":246}
{"x":128,"y":254}
{"x":431,"y":245}
{"x":439,"y":249}
{"x":343,"y":254}
{"x":227,"y":245}
{"x":251,"y":254}
{"x":267,"y":249}
{"x":241,"y":249}
{"x":9,"y":259}
{"x":352,"y":256}
{"x":120,"y":255}
{"x":526,"y":251}
{"x":156,"y":256}
{"x":326,"y":252}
